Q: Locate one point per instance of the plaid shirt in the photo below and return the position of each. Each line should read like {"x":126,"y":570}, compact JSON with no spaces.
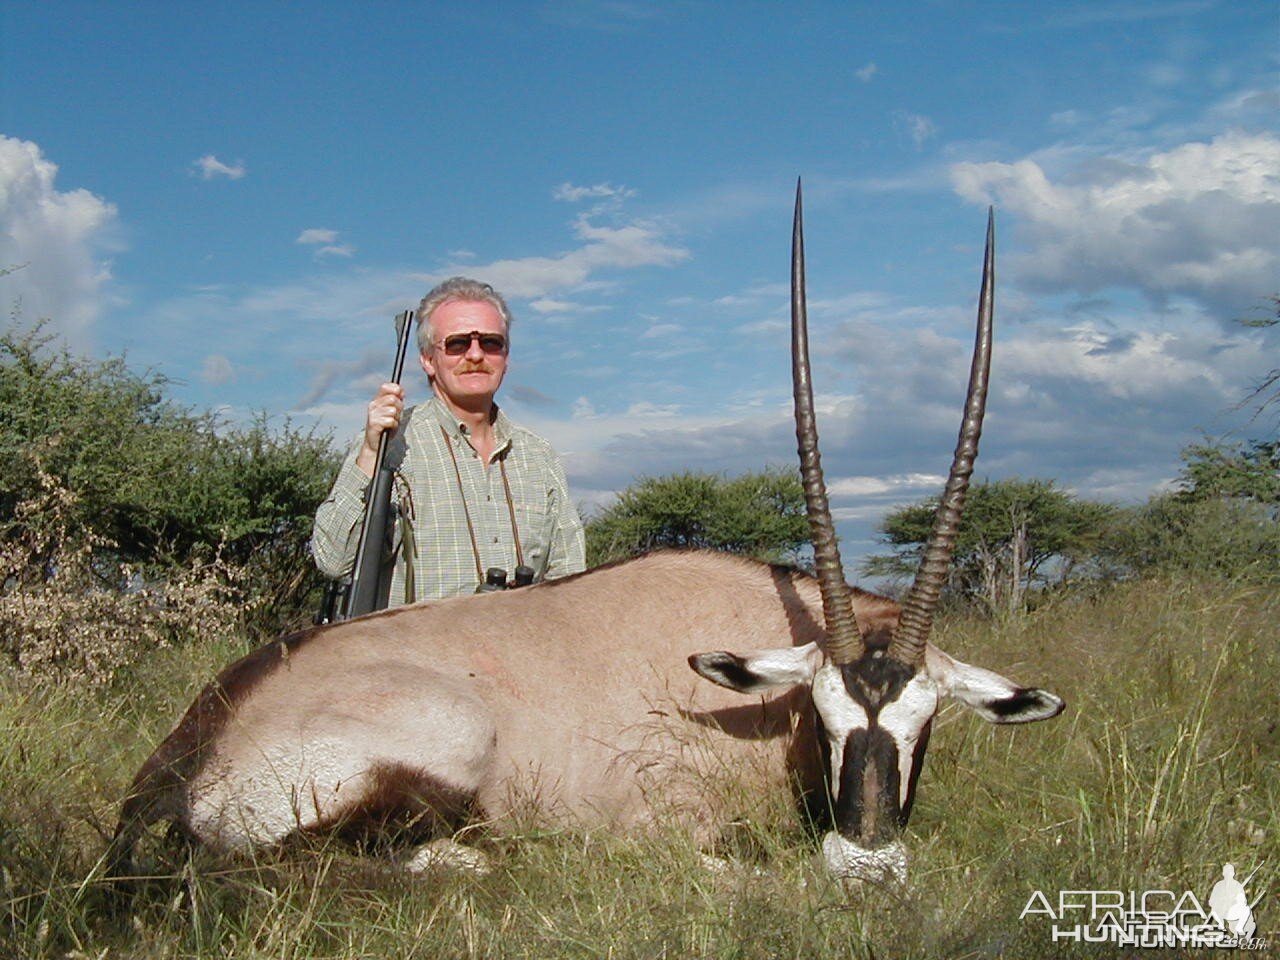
{"x":427,"y":488}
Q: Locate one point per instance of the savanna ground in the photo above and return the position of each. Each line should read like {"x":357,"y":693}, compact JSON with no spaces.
{"x":1165,"y":766}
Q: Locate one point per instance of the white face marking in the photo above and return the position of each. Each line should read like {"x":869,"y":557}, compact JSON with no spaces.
{"x":905,"y":719}
{"x":840,"y":713}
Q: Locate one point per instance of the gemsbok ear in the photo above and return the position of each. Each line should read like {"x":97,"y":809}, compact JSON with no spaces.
{"x":993,"y":697}
{"x":759,"y":671}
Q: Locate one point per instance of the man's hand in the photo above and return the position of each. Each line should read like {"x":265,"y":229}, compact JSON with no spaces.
{"x":384,"y":414}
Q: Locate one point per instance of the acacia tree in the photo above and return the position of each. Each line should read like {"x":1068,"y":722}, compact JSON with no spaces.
{"x":1222,"y":521}
{"x":1014,"y":535}
{"x":1223,"y":471}
{"x":761,"y":515}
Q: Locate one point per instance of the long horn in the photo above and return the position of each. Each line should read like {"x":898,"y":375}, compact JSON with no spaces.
{"x":844,"y":642}
{"x":908,"y":644}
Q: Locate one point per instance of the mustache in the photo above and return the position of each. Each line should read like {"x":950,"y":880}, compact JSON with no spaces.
{"x":474,"y":368}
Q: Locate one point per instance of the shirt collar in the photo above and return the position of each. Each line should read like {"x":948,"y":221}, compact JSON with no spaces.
{"x":502,"y":432}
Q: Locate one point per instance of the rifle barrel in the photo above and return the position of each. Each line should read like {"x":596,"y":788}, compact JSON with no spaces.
{"x":369,"y":587}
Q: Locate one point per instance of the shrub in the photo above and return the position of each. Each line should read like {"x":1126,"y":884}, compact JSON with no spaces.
{"x":77,"y":617}
{"x":1229,"y":538}
{"x":159,"y":487}
{"x":761,"y":515}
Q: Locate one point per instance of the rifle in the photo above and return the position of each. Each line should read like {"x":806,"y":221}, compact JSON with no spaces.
{"x":370,"y":579}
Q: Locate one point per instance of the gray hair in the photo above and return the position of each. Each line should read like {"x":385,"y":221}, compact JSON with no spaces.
{"x":457,"y":288}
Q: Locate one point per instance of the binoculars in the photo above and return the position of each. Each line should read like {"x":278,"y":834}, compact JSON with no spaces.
{"x":337,"y":592}
{"x":495,"y":578}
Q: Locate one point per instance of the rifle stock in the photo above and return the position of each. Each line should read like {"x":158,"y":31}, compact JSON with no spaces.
{"x":370,"y":577}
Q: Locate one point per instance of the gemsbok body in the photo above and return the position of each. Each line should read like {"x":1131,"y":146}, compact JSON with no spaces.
{"x":573,"y":702}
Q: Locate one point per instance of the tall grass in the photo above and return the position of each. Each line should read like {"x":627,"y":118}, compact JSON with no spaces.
{"x":1165,"y":766}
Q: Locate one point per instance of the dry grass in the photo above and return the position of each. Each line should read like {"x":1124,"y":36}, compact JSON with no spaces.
{"x":1165,"y":765}
{"x":64,"y":615}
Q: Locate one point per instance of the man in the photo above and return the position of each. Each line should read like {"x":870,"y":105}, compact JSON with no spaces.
{"x":473,"y":490}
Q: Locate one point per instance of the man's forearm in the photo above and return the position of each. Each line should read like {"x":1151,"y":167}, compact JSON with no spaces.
{"x":338,"y":520}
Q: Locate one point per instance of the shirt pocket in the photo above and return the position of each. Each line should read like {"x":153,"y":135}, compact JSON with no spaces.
{"x":534,"y":520}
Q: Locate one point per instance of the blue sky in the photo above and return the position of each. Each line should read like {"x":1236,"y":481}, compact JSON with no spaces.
{"x":242,"y":195}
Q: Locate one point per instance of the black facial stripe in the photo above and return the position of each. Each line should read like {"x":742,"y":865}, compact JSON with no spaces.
{"x":875,"y":680}
{"x":874,"y":748}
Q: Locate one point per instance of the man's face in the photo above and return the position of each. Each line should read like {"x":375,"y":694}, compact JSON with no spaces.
{"x":467,"y":380}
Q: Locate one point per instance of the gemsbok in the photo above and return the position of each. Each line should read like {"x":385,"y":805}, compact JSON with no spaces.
{"x":573,"y":699}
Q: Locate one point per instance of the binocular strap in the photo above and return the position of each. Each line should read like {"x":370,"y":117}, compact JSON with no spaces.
{"x":466,"y":511}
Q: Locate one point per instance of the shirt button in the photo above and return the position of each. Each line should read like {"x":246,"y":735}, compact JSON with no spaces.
{"x":495,"y":539}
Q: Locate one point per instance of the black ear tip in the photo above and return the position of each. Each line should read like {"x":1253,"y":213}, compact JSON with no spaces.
{"x":1027,"y":706}
{"x":724,"y":669}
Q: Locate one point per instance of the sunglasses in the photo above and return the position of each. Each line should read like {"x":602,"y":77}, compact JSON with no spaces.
{"x":459,"y":343}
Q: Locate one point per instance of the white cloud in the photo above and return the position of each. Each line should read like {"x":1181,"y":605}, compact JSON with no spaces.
{"x":920,"y":128}
{"x":1145,"y":366}
{"x":866,"y":516}
{"x":1067,"y":119}
{"x":548,"y":305}
{"x":865,"y":73}
{"x":646,"y":410}
{"x":660,"y":331}
{"x":1200,"y":220}
{"x":336,"y":250}
{"x":754,"y":296}
{"x":1252,"y":106}
{"x":899,"y":484}
{"x":570,"y":193}
{"x":559,"y":311}
{"x":317,"y":235}
{"x":635,"y":244}
{"x":210,"y":166}
{"x":56,"y":240}
{"x":217,"y":369}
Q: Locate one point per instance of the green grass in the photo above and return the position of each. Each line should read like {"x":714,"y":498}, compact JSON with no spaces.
{"x":1165,"y":765}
